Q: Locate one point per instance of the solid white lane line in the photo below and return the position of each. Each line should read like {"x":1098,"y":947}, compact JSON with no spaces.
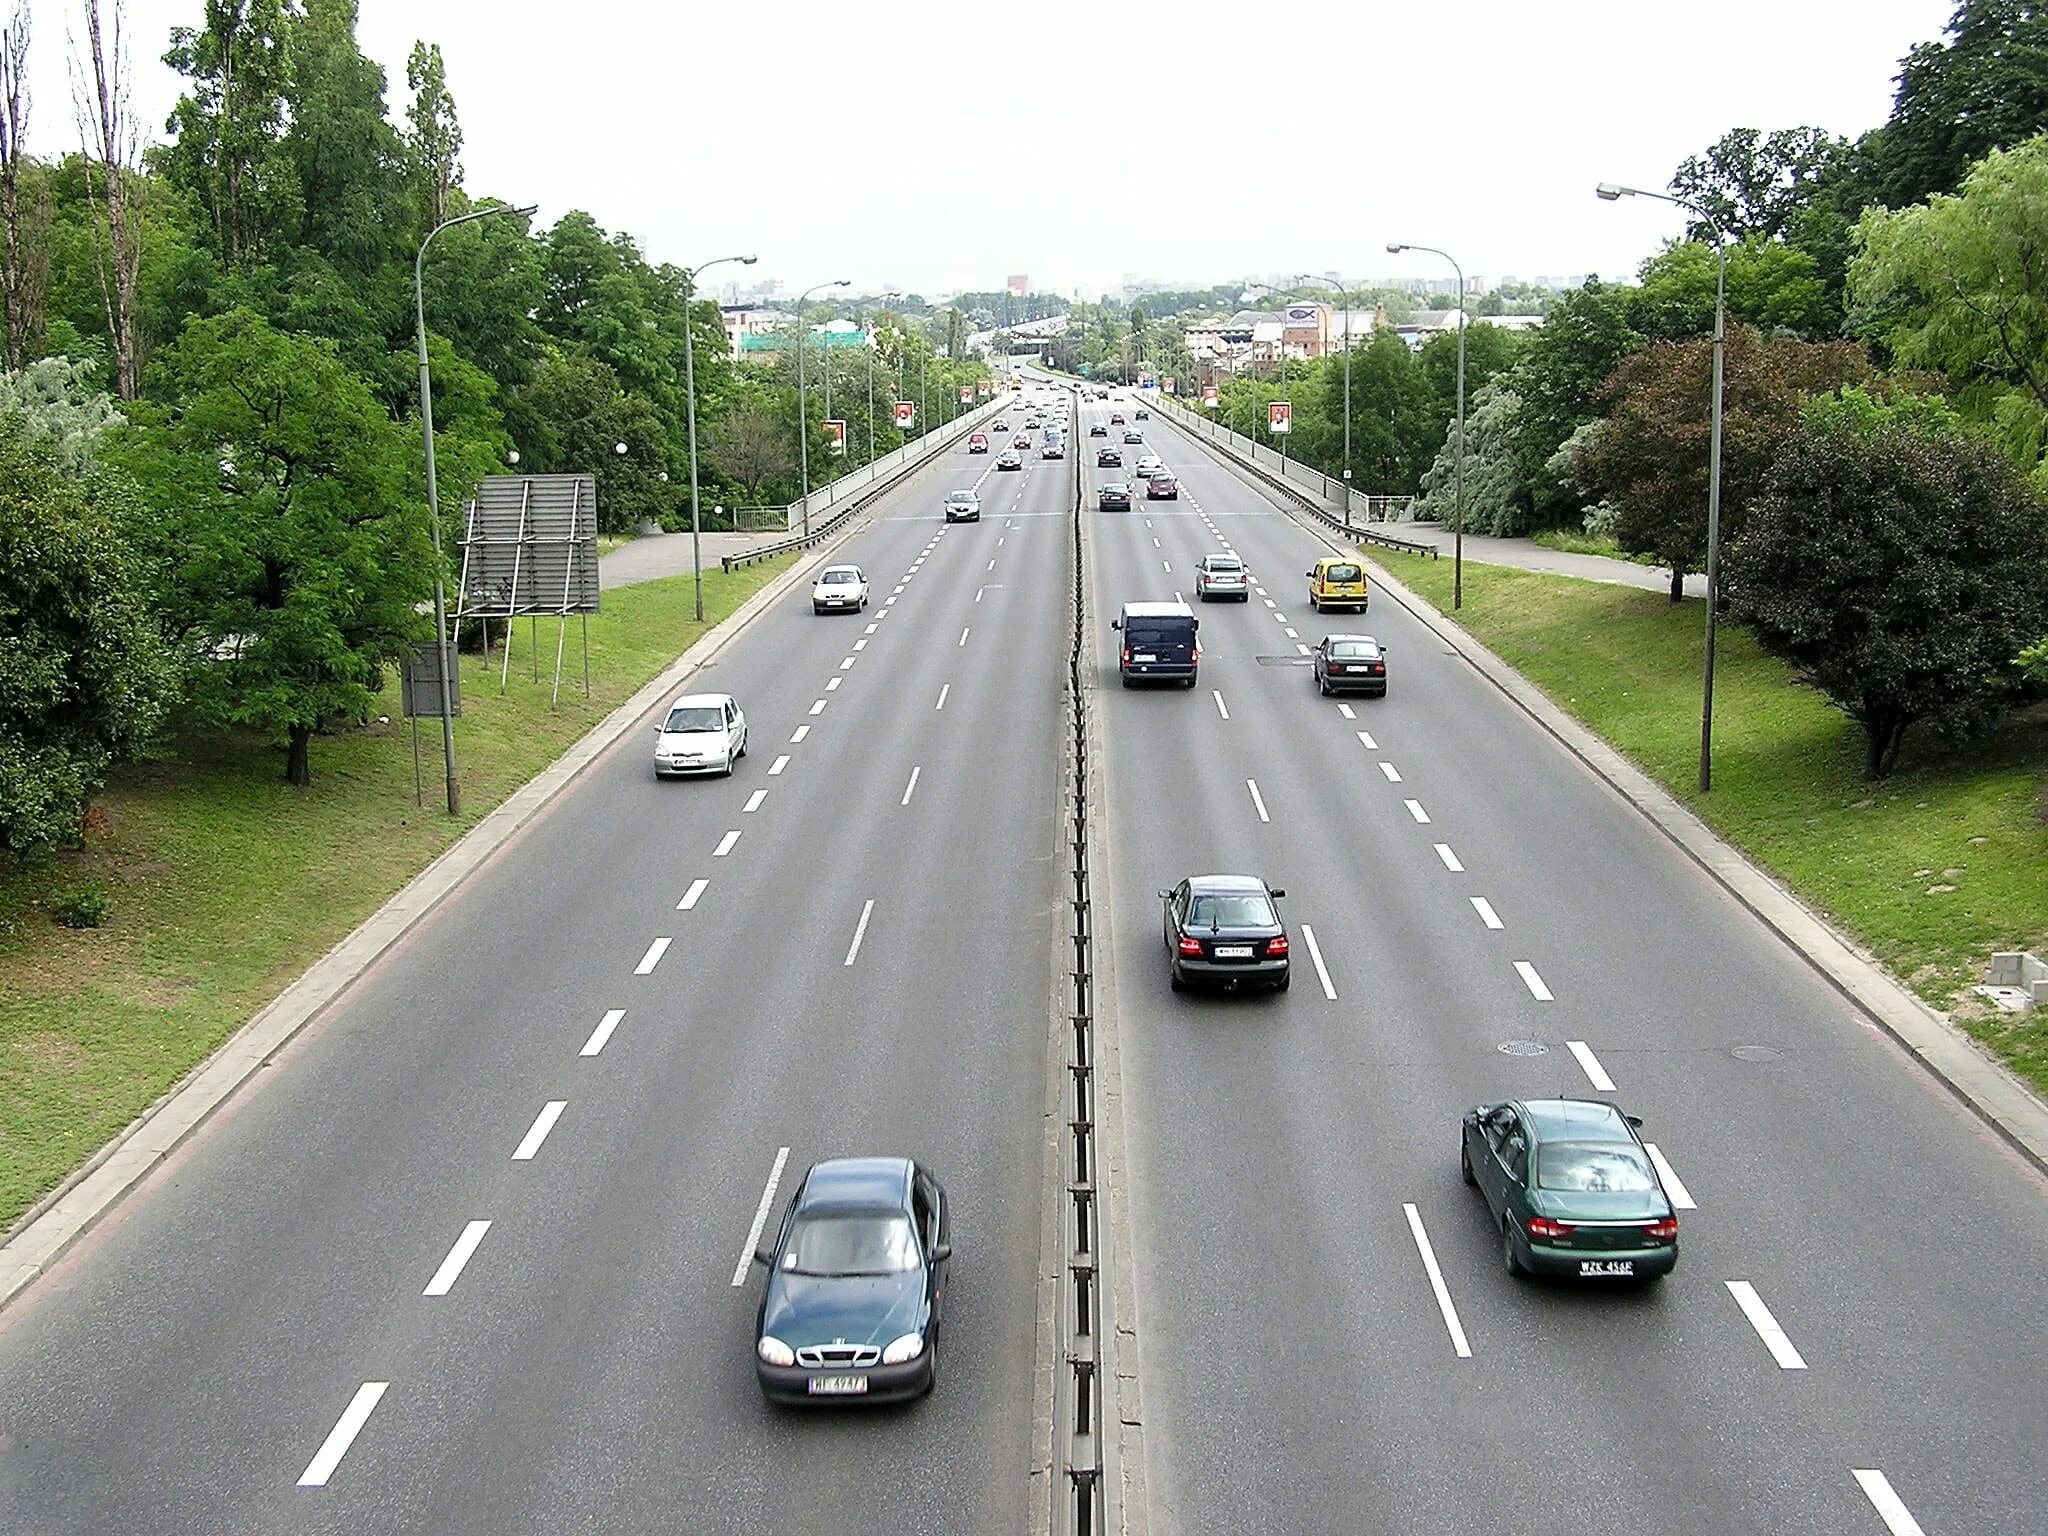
{"x":1891,"y":1509}
{"x":1766,"y":1326}
{"x":860,"y":931}
{"x":690,"y":896}
{"x":444,"y":1277}
{"x":1533,"y":982}
{"x":1674,"y":1186}
{"x":778,"y":765}
{"x":1415,"y":809}
{"x":832,"y":684}
{"x":652,"y":958}
{"x":1443,"y":851}
{"x":943,"y":691}
{"x":818,"y":708}
{"x":739,"y":1273}
{"x":963,"y":634}
{"x":911,"y":788}
{"x":1315,"y":953}
{"x":1218,"y":693}
{"x":1393,"y":774}
{"x":603,"y":1032}
{"x":538,"y":1131}
{"x":1595,"y":1073}
{"x":754,"y":802}
{"x":1436,"y":1282}
{"x":847,"y":663}
{"x":1301,"y":648}
{"x":339,"y":1438}
{"x":800,"y":733}
{"x":1486,"y":913}
{"x":1347,"y":712}
{"x":1258,"y":801}
{"x":1365,"y":740}
{"x":725,"y":844}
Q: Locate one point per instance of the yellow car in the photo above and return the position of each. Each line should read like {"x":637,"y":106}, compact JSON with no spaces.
{"x":1336,"y":584}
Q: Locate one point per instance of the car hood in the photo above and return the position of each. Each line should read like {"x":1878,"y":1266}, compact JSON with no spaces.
{"x":837,"y":588}
{"x":861,"y":1309}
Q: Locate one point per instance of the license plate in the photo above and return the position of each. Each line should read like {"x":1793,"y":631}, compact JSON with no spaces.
{"x":1607,"y":1266}
{"x":838,"y":1386}
{"x":1147,"y":658}
{"x":1233,"y":951}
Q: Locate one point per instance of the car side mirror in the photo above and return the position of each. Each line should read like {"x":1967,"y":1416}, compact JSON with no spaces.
{"x":1165,"y":895}
{"x":1116,"y":623}
{"x":1634,"y":1120}
{"x":764,"y":1258}
{"x":942,"y":1252}
{"x":1275,"y":892}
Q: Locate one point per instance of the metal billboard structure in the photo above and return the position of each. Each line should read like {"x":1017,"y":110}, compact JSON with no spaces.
{"x":529,"y":546}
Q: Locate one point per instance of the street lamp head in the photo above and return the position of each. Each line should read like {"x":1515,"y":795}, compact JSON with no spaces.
{"x":1608,"y":192}
{"x":512,"y":456}
{"x":843,"y":282}
{"x":618,"y":448}
{"x":1395,"y":247}
{"x":748,"y":261}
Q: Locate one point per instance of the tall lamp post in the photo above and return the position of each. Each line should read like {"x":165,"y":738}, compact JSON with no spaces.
{"x":1608,"y":192}
{"x":690,"y":410}
{"x":1394,"y":247}
{"x":1305,"y":277}
{"x":441,"y":658}
{"x":803,"y":419}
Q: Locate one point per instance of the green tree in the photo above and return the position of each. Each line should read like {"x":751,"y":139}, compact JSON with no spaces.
{"x":55,"y":405}
{"x":1755,"y":185}
{"x":577,"y":415}
{"x":302,"y":557}
{"x":1985,"y":88}
{"x":228,"y":129}
{"x":1496,"y":492}
{"x":1771,"y":286}
{"x":1900,"y":566}
{"x":354,"y":204}
{"x":433,"y":140}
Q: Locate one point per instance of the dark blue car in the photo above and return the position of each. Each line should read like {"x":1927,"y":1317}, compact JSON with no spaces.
{"x":855,"y":1278}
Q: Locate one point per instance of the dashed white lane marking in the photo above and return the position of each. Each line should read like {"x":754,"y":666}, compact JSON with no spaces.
{"x":1155,"y":543}
{"x":1443,"y":851}
{"x":603,"y":1032}
{"x":778,"y":765}
{"x":832,"y":684}
{"x":739,"y":1273}
{"x":1281,"y":617}
{"x":1365,"y":740}
{"x":1415,"y":809}
{"x":1168,"y":564}
{"x":652,"y":958}
{"x":963,"y":634}
{"x":1590,"y":1065}
{"x":1766,"y":1326}
{"x":847,"y":663}
{"x":690,"y":896}
{"x":860,"y":931}
{"x":1347,"y":712}
{"x":1393,"y":774}
{"x":889,"y":602}
{"x":725,"y":844}
{"x":1258,"y":800}
{"x":1436,"y":1282}
{"x":1301,"y":648}
{"x":538,"y":1131}
{"x":911,"y":788}
{"x":860,"y":644}
{"x":1486,"y":913}
{"x":999,"y":542}
{"x":465,"y":1245}
{"x":1291,"y":633}
{"x":1269,"y":602}
{"x":754,"y":802}
{"x":873,"y":627}
{"x":1315,"y":953}
{"x":897,"y":593}
{"x":1674,"y":1186}
{"x":818,"y":707}
{"x":1533,"y":982}
{"x":989,"y":567}
{"x":339,"y":1438}
{"x":799,"y":734}
{"x":1262,"y":592}
{"x":943,"y":691}
{"x":1891,"y":1509}
{"x":1217,"y":693}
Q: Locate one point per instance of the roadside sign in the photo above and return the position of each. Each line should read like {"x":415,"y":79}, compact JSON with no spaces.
{"x":1279,"y":417}
{"x":1167,"y":384}
{"x":1208,"y":397}
{"x":906,"y":415}
{"x":835,"y":433}
{"x":966,"y":394}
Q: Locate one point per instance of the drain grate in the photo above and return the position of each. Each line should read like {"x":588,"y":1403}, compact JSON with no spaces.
{"x":1522,"y":1048}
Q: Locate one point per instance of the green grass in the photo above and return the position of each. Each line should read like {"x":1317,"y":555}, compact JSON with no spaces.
{"x":1879,"y":858}
{"x":1569,"y":541}
{"x":225,"y":883}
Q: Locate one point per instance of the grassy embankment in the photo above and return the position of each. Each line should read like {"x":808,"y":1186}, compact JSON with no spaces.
{"x":1931,"y":869}
{"x":224,"y":883}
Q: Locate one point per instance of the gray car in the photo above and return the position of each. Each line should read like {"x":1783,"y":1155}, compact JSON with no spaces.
{"x":963,"y":507}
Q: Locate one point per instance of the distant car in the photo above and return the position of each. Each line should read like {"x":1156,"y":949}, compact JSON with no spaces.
{"x":1571,"y":1189}
{"x":977,"y":442}
{"x":1345,"y":662}
{"x":1032,"y":423}
{"x":1053,"y":450}
{"x":701,"y":733}
{"x":1133,"y":435}
{"x":856,"y":1274}
{"x":1221,"y":576}
{"x":963,"y":507}
{"x":1097,"y":429}
{"x":1102,"y":394}
{"x":1020,"y":441}
{"x":1115,"y":496}
{"x":1000,"y":424}
{"x":1116,"y":418}
{"x":1162,"y":488}
{"x":839,"y":589}
{"x":1150,"y":464}
{"x":1010,"y":458}
{"x":1338,"y":583}
{"x":1224,"y":930}
{"x":1108,"y":458}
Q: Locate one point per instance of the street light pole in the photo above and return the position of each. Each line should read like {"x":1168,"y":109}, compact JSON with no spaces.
{"x":1458,"y":473}
{"x":1608,"y":192}
{"x":803,"y":420}
{"x":441,"y":657}
{"x":690,"y":409}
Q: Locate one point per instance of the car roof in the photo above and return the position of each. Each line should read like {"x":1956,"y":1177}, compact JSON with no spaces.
{"x":1217,"y":885}
{"x":699,"y":700}
{"x":1576,"y":1120}
{"x":1158,"y":611}
{"x":856,"y":1183}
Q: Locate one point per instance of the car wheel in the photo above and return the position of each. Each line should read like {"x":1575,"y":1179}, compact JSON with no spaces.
{"x":1191,"y":682}
{"x":1312,"y":607}
{"x":743,"y":743}
{"x":1174,"y":980}
{"x":1125,"y":681}
{"x":1286,"y":980}
{"x":1323,"y":686}
{"x":1515,"y":1267}
{"x":1465,"y":1163}
{"x":817,"y":608}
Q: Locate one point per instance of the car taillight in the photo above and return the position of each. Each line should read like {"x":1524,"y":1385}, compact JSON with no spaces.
{"x":1543,"y":1226}
{"x":1378,"y":667}
{"x":1198,"y":652}
{"x":1127,"y":653}
{"x":1191,"y":946}
{"x":1665,"y":1231}
{"x":1277,"y":946}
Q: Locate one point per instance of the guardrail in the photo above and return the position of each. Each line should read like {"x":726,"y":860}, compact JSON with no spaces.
{"x":852,"y":491}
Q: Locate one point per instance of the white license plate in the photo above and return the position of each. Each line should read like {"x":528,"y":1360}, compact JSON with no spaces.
{"x":1607,"y":1266}
{"x":1233,"y":951}
{"x":1147,"y":658}
{"x":838,"y":1386}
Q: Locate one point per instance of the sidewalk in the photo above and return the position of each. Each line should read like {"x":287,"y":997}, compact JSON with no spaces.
{"x":1527,"y":555}
{"x":668,"y":554}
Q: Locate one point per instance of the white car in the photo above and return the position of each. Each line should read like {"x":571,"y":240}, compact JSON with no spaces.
{"x":1148,"y":465}
{"x":701,"y":733}
{"x":839,"y":589}
{"x":963,"y":507}
{"x":1222,"y":576}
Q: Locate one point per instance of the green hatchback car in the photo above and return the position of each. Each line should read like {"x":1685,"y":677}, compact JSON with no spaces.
{"x":1571,"y":1188}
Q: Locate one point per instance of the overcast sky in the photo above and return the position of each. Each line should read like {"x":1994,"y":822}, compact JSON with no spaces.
{"x":933,"y":146}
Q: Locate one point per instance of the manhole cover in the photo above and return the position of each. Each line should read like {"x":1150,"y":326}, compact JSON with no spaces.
{"x":1755,"y":1053}
{"x":1286,"y":661}
{"x":1521,"y":1047}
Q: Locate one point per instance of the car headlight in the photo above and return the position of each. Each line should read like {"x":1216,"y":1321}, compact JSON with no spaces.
{"x":774,"y":1352}
{"x":909,"y":1347}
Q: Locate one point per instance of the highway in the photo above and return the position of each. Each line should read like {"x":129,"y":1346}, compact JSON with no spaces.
{"x":1475,"y":894}
{"x":863,"y":967}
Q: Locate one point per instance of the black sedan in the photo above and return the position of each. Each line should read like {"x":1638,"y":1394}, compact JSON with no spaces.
{"x":1098,"y":430}
{"x":851,"y":1308}
{"x":1345,"y":662}
{"x":1113,"y":497}
{"x":1108,"y":458}
{"x":1225,"y":930}
{"x":1141,"y":414}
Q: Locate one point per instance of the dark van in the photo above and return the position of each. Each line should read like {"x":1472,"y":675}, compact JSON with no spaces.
{"x":1158,"y":641}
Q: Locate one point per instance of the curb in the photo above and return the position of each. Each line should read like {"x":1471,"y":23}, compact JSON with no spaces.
{"x":82,"y":1200}
{"x":1987,"y":1089}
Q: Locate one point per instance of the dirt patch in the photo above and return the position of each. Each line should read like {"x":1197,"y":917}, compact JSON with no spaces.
{"x":49,"y":1052}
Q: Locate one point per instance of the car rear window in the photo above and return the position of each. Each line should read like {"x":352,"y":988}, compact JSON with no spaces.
{"x":1231,"y":912}
{"x":1354,"y":650}
{"x":1343,"y":573}
{"x":1219,"y":563}
{"x":1592,"y":1167}
{"x":1142,"y":633}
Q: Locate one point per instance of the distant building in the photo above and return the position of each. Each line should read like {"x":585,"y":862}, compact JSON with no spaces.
{"x":761,"y":333}
{"x":1434,"y":322}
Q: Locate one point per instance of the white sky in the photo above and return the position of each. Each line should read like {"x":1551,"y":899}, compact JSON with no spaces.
{"x":932,"y":146}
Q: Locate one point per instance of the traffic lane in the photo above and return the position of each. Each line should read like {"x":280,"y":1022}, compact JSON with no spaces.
{"x":434,"y":1053}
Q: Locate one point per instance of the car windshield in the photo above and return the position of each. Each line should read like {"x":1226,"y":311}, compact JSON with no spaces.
{"x":962,"y":498}
{"x":1343,"y":573}
{"x":1361,"y":650}
{"x":855,"y":1243}
{"x":696,"y":717}
{"x":838,"y":578}
{"x":1246,"y":911}
{"x":1593,"y":1167}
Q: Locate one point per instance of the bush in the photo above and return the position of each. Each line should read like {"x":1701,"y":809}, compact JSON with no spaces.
{"x":86,"y":908}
